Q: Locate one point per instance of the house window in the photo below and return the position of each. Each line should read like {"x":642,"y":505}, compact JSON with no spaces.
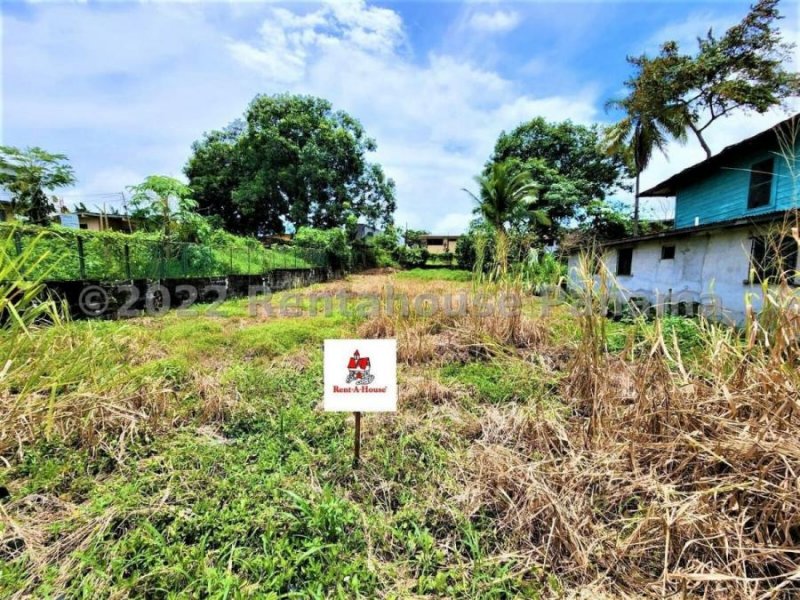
{"x":435,"y":241}
{"x":667,"y":252}
{"x":773,"y":259}
{"x":84,"y":226}
{"x":624,"y":261}
{"x":760,"y":184}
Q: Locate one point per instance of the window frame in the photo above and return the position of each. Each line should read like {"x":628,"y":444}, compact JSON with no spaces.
{"x":628,"y":249}
{"x":759,"y":170}
{"x":672,"y":248}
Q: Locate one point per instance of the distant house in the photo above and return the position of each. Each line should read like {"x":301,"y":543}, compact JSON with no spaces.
{"x":439,"y":244}
{"x":724,"y":242}
{"x":93,"y":221}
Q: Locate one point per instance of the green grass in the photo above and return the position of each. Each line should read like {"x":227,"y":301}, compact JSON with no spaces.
{"x":502,"y":380}
{"x":266,"y":503}
{"x":437,"y":274}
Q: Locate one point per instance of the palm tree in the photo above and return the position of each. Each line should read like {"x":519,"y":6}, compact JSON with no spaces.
{"x":505,"y":193}
{"x":646,"y":126}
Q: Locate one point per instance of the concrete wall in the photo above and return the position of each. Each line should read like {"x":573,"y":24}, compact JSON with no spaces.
{"x":94,"y":223}
{"x":114,"y":296}
{"x":709,"y":268}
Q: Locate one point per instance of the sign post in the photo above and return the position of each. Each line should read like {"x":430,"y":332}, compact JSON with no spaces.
{"x":357,"y":444}
{"x":360,"y":376}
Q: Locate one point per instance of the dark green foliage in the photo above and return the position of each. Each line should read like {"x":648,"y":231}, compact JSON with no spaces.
{"x":28,"y":175}
{"x":331,"y":241}
{"x":292,"y":158}
{"x":744,"y":69}
{"x":566,"y":163}
{"x":412,"y":256}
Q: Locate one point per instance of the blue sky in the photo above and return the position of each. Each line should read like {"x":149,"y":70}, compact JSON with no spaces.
{"x":124,"y":88}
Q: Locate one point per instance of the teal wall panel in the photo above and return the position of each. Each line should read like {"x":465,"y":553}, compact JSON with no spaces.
{"x":723,"y":194}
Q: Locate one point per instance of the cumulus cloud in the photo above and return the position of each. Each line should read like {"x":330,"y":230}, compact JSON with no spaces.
{"x":499,"y":21}
{"x":435,"y":119}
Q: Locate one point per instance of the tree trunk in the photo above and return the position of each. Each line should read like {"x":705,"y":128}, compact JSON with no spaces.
{"x":636,"y":205}
{"x":700,"y":138}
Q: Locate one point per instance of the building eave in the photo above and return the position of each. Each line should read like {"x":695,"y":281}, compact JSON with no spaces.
{"x":766,"y":139}
{"x":771,"y":217}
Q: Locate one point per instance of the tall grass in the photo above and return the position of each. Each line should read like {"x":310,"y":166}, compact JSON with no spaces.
{"x":23,"y":300}
{"x":673,"y":476}
{"x":77,"y":383}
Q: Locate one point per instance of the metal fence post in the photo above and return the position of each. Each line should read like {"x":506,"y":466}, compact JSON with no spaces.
{"x":81,"y":259}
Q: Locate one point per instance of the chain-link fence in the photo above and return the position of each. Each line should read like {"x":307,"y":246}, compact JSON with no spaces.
{"x":60,"y":256}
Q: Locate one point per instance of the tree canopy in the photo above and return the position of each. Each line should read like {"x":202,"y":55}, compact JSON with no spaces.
{"x":28,"y":175}
{"x":568,"y":165}
{"x":506,"y":196}
{"x":292,"y":159}
{"x":741,"y":70}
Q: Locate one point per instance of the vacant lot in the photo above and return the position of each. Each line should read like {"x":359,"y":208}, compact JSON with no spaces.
{"x":536,"y":454}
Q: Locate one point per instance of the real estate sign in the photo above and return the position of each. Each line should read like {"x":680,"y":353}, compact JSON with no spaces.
{"x":360,"y":375}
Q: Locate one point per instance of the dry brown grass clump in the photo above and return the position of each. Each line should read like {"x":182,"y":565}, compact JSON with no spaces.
{"x":452,"y":324}
{"x":668,"y":479}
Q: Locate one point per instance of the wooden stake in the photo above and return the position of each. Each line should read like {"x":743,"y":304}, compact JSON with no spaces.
{"x":357,"y":444}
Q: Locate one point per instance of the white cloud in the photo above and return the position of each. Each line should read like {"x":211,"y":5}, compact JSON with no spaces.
{"x":499,"y":21}
{"x":435,"y":120}
{"x":123,"y":106}
{"x":453,"y":223}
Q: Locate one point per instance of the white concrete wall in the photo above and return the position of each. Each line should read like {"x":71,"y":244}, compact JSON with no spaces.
{"x":709,"y":268}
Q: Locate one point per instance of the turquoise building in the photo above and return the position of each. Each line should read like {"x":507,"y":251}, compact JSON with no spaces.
{"x":736,"y":228}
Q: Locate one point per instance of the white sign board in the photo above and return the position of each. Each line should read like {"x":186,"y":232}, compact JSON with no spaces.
{"x":70,"y":220}
{"x":360,"y":375}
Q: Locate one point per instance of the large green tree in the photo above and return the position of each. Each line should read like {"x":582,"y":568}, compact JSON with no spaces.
{"x":29,"y":175}
{"x":292,"y":159}
{"x":743,"y":70}
{"x":567,"y":163}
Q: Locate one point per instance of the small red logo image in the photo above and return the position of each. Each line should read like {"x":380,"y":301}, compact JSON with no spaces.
{"x":358,"y":369}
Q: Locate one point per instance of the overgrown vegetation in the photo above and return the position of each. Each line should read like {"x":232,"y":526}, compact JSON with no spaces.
{"x":537,"y":453}
{"x":112,"y":256}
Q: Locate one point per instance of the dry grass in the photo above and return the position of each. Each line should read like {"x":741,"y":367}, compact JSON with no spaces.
{"x":468,"y":324}
{"x":666,"y":480}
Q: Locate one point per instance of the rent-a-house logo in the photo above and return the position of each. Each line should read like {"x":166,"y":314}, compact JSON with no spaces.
{"x":358,"y":372}
{"x":360,"y":375}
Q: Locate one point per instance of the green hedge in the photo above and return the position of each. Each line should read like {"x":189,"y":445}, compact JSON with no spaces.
{"x":112,"y":256}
